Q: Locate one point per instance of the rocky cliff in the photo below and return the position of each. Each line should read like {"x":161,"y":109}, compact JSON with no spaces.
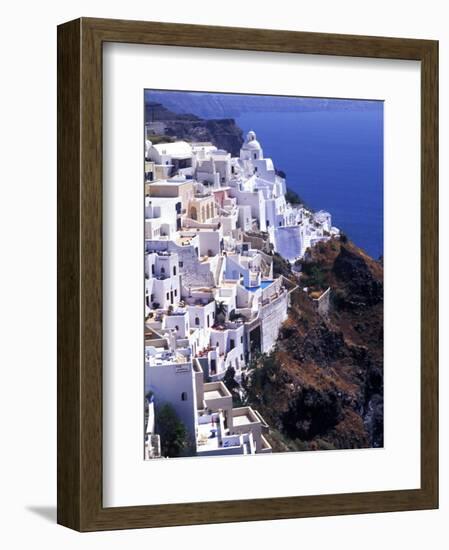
{"x":211,"y":105}
{"x":168,"y":125}
{"x":322,"y":388}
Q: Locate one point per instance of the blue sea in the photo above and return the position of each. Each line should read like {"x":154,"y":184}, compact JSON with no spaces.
{"x":334,"y":161}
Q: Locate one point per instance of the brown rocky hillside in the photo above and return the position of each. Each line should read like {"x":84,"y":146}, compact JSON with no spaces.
{"x":322,"y":388}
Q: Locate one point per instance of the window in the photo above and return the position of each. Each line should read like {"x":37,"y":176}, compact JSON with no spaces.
{"x":176,"y":292}
{"x":152,"y":269}
{"x":241,"y":339}
{"x":232,"y":343}
{"x":174,"y":270}
{"x":176,"y":328}
{"x":181,"y":264}
{"x":162,"y":270}
{"x":208,"y":322}
{"x":184,"y":396}
{"x":255,"y":155}
{"x":197,"y":321}
{"x":168,"y":295}
{"x":241,"y":357}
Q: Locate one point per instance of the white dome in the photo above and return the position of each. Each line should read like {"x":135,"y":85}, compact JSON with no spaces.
{"x":251,"y":141}
{"x":252,"y":145}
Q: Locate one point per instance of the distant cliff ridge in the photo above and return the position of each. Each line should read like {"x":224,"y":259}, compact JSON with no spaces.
{"x":214,"y":105}
{"x":163,"y":124}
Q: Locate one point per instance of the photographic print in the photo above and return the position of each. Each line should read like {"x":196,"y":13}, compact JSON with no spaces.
{"x":263,"y":264}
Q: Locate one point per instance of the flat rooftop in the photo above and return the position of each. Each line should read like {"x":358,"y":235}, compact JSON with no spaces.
{"x":212,"y":394}
{"x":184,"y":240}
{"x":168,"y":183}
{"x":241,"y":420}
{"x":228,"y":284}
{"x":214,"y":390}
{"x":151,"y":334}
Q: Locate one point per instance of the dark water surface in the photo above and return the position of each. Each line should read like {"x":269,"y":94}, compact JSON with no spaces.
{"x":334,"y":161}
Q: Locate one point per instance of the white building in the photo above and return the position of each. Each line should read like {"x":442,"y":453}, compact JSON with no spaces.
{"x":174,"y":156}
{"x":162,"y":280}
{"x":171,"y":381}
{"x":211,"y":300}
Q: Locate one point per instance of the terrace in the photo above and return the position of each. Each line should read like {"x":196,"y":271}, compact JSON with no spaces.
{"x":263,"y":285}
{"x":184,"y":241}
{"x":217,"y":396}
{"x":247,"y":417}
{"x":227,"y":325}
{"x":202,"y":195}
{"x":156,"y":357}
{"x":154,"y":338}
{"x":244,"y":416}
{"x":176,"y":311}
{"x":212,"y":438}
{"x":200,"y":299}
{"x":209,"y":432}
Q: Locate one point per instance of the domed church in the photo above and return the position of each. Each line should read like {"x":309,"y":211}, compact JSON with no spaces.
{"x":251,"y":149}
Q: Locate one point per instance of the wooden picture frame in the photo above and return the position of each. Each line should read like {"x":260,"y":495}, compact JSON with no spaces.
{"x":80,"y":274}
